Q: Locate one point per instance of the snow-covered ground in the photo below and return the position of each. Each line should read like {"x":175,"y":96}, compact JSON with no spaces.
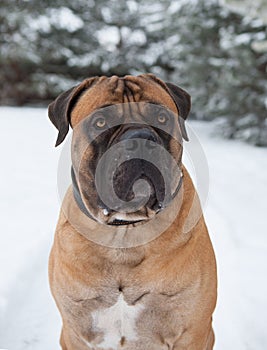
{"x":235,"y":214}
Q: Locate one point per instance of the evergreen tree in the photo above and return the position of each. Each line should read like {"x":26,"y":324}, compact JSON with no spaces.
{"x":244,"y":84}
{"x":48,"y":46}
{"x":213,"y":57}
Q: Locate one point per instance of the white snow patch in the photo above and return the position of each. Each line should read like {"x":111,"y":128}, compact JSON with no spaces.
{"x":61,"y":18}
{"x":29,"y":208}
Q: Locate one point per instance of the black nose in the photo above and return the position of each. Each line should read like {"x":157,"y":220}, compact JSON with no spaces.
{"x":139,"y":133}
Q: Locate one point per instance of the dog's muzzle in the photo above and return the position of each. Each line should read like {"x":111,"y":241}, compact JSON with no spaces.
{"x":136,"y":176}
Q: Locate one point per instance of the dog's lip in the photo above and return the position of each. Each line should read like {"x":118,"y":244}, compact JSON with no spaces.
{"x":117,"y":222}
{"x":119,"y":218}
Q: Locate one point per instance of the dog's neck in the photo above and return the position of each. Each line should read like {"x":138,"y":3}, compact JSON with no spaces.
{"x":79,"y":201}
{"x":77,"y":195}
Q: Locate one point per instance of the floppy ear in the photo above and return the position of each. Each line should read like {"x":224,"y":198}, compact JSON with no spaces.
{"x":183,"y":103}
{"x":59,"y":110}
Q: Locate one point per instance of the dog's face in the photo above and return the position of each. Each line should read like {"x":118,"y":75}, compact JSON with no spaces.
{"x":124,"y":130}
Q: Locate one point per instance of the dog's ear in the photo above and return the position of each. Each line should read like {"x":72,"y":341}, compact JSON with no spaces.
{"x":59,"y":110}
{"x":183,"y":104}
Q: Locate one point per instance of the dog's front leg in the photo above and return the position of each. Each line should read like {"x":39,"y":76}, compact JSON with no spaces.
{"x":195,"y":341}
{"x":62,"y":341}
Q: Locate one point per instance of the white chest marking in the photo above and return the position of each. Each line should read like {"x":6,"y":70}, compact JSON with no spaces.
{"x":115,"y":322}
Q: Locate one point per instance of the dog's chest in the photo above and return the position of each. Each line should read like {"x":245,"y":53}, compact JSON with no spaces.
{"x":116,"y":323}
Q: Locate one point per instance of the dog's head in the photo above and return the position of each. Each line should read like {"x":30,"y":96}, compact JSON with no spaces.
{"x":127,"y":143}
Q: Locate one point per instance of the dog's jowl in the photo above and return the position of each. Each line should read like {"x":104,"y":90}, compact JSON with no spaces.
{"x":132,"y":266}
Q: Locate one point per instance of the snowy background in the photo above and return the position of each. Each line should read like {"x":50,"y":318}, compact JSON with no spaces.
{"x":235,"y":214}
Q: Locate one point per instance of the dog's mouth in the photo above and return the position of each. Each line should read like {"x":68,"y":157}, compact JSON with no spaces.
{"x":119,"y":218}
{"x":117,"y":222}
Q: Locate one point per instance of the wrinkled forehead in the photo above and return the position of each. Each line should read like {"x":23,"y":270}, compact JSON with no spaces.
{"x":115,"y":90}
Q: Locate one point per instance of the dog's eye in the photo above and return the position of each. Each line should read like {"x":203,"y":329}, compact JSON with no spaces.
{"x":162,"y":118}
{"x":100,"y":122}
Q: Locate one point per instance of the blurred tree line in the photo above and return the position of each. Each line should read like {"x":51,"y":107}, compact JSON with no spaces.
{"x":217,"y":55}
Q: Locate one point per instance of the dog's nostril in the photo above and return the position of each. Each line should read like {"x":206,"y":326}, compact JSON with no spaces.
{"x":132,"y":145}
{"x":151,"y":144}
{"x":143,"y":133}
{"x":138,"y":133}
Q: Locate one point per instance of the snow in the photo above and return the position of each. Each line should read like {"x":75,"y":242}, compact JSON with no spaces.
{"x":29,"y":208}
{"x":61,"y":18}
{"x":108,"y":36}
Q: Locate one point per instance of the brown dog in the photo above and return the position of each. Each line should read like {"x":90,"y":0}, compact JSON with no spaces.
{"x":134,"y":279}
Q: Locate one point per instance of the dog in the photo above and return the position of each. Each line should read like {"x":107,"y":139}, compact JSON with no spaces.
{"x":140,"y":274}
